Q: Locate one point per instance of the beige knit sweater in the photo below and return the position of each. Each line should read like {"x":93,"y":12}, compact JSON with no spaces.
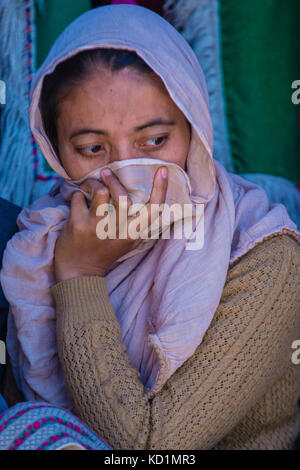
{"x":238,"y":391}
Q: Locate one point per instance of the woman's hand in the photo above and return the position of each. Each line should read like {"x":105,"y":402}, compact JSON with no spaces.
{"x":78,"y":250}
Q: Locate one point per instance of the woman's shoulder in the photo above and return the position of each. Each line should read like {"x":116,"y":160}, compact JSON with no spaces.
{"x":277,"y":255}
{"x":251,"y":337}
{"x":260,"y":302}
{"x":266,"y":279}
{"x":286,"y":238}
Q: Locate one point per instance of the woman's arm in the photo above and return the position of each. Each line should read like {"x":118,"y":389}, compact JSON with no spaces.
{"x":245,"y":350}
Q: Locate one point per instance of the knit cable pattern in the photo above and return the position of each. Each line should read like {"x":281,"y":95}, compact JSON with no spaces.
{"x":240,"y":388}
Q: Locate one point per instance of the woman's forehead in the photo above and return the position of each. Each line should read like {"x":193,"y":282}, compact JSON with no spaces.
{"x":125,"y":88}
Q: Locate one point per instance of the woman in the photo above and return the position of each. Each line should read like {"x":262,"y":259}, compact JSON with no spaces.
{"x":163,"y":345}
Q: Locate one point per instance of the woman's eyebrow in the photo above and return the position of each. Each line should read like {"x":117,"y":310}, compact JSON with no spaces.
{"x":155,"y":122}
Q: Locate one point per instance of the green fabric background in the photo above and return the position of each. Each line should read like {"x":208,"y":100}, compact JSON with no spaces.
{"x":260,"y":44}
{"x":50,"y":22}
{"x":56,"y":15}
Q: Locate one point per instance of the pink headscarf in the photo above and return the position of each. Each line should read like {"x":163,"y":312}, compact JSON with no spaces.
{"x":164,"y":295}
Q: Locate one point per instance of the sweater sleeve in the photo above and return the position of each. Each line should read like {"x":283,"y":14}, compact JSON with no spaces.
{"x":246,"y":349}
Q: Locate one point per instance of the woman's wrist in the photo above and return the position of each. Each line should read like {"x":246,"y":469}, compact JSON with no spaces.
{"x":65,"y":276}
{"x":82,"y":299}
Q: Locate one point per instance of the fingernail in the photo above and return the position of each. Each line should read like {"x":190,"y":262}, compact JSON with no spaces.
{"x":164,"y":173}
{"x":106,"y":172}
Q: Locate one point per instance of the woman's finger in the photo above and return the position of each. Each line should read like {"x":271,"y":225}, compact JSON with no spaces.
{"x":157,"y":199}
{"x":160,"y":185}
{"x":118,"y":192}
{"x":98,"y":192}
{"x":78,"y":207}
{"x":158,"y":194}
{"x":150,"y":214}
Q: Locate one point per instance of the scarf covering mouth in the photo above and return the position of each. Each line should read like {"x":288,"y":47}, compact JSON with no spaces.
{"x":162,"y":313}
{"x":178,"y":214}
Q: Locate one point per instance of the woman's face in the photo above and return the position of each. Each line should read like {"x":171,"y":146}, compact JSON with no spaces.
{"x":117,"y":116}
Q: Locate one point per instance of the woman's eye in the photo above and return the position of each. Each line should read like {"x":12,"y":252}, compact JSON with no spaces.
{"x":157,"y":141}
{"x":90,"y":150}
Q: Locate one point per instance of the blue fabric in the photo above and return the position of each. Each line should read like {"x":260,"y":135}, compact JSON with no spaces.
{"x":3,"y":314}
{"x":42,"y":426}
{"x":8,"y":216}
{"x":3,"y":404}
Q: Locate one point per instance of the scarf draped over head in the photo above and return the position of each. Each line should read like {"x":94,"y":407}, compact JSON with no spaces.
{"x":164,"y":295}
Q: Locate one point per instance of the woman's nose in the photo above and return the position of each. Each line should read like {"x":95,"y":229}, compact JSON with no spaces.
{"x":123,"y":153}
